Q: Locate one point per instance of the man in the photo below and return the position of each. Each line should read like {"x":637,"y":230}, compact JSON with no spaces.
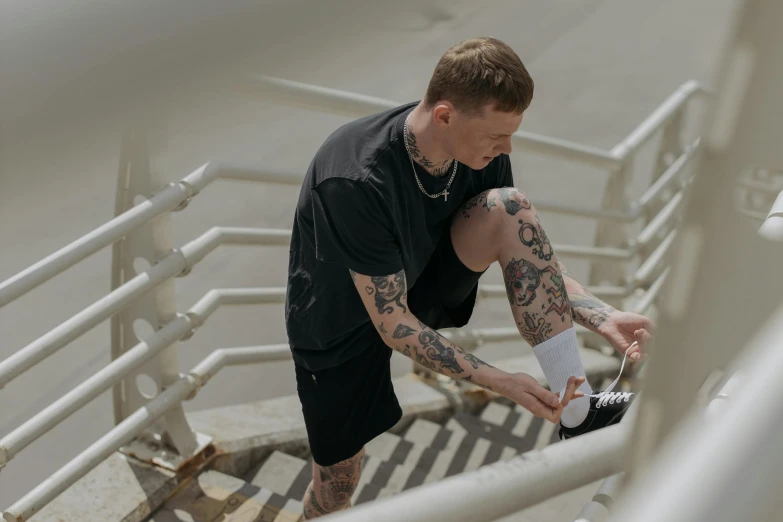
{"x":399,"y":215}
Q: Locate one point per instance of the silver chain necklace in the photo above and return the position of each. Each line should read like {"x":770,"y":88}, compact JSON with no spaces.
{"x":444,"y":192}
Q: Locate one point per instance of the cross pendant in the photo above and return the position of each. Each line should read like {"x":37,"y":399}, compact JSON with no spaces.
{"x":445,"y":195}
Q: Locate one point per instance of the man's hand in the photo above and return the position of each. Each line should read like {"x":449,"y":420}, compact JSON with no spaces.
{"x":525,"y":391}
{"x":621,"y":329}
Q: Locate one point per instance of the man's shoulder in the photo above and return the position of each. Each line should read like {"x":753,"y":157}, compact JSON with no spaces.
{"x":363,"y":142}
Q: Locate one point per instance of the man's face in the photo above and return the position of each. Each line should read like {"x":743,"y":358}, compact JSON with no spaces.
{"x":478,"y":138}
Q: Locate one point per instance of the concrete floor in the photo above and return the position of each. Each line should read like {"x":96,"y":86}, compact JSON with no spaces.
{"x":600,"y":67}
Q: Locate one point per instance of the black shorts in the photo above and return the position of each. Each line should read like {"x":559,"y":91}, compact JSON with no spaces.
{"x":348,"y":405}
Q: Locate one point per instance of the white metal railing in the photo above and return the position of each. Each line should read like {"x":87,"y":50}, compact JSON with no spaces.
{"x":648,"y":278}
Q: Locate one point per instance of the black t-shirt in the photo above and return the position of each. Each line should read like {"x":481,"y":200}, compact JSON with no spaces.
{"x":360,"y":208}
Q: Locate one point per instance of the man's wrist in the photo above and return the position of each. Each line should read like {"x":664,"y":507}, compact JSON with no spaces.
{"x":492,"y":378}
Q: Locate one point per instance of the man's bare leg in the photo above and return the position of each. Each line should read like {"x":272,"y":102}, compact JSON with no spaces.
{"x":332,"y":486}
{"x":502,"y":225}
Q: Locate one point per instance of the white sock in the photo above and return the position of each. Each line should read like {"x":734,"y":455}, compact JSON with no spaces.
{"x":560,"y":360}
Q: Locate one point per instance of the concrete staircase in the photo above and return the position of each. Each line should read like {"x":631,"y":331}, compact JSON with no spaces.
{"x":425,"y":452}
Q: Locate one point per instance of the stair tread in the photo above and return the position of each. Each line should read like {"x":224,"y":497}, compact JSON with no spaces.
{"x":213,"y":495}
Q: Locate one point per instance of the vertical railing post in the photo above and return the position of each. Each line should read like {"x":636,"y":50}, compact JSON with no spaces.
{"x":170,"y":441}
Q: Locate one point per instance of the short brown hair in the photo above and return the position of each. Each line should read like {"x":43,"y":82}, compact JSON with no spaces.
{"x":480,"y":71}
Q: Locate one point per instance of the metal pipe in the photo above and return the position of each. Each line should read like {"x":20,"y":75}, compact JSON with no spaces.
{"x":662,"y":115}
{"x":721,"y":467}
{"x":88,"y":390}
{"x":652,"y":263}
{"x":84,"y":321}
{"x":597,"y":510}
{"x":350,"y":104}
{"x":168,"y":199}
{"x":601,"y":215}
{"x":240,"y":173}
{"x":669,"y":176}
{"x":181,"y":328}
{"x":661,"y":219}
{"x":234,"y":296}
{"x":503,"y":488}
{"x":31,"y":277}
{"x":213,"y":363}
{"x":124,"y":432}
{"x":649,"y":297}
{"x":594,"y":253}
{"x":121,"y":435}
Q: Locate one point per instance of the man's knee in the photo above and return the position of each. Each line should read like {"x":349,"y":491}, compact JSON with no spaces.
{"x":507,"y":201}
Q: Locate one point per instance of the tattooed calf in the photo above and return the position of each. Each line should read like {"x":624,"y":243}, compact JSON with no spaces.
{"x":558,"y":300}
{"x":521,"y":278}
{"x":533,"y":236}
{"x":439,"y":352}
{"x":388,"y":290}
{"x":534,"y":329}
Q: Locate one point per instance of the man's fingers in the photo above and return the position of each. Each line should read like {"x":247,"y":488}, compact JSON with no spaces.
{"x":544,"y":395}
{"x":569,"y":392}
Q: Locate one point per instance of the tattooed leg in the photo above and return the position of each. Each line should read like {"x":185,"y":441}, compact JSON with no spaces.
{"x":507,"y":229}
{"x":332,"y":486}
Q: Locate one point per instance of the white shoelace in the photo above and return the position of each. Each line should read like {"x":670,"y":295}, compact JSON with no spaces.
{"x":607,"y":397}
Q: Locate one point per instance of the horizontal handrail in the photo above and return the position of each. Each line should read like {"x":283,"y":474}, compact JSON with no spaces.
{"x":505,"y":487}
{"x":742,"y":432}
{"x":169,"y":198}
{"x":142,"y":418}
{"x":653,"y":262}
{"x":598,"y":508}
{"x":173,"y":264}
{"x":660,"y":117}
{"x":182,"y":327}
{"x":661,"y":219}
{"x":670,"y":175}
{"x":649,"y":296}
{"x":570,"y":210}
{"x":324,"y":99}
{"x":594,"y":253}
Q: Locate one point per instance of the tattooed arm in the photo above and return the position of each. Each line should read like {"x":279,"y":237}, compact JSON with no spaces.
{"x":386,"y":300}
{"x":586,"y":309}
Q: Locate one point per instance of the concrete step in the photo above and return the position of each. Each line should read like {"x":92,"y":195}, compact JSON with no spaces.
{"x":426,"y":453}
{"x":425,"y":442}
{"x":215,"y":496}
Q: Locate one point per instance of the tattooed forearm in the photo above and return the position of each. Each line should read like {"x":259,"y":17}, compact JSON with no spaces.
{"x":433,"y":351}
{"x":475,"y":361}
{"x":402,"y":331}
{"x":589,"y":311}
{"x":470,"y":380}
{"x":390,"y":292}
